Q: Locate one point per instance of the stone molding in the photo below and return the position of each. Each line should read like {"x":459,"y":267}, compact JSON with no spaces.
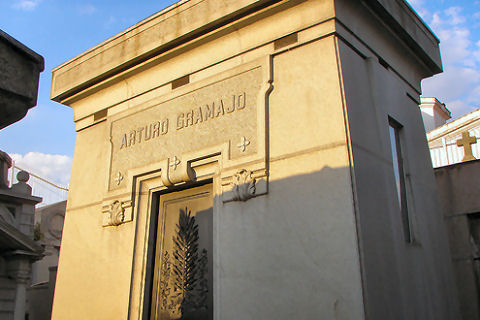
{"x":19,"y":268}
{"x":178,"y":171}
{"x":239,"y":162}
{"x":135,"y":46}
{"x":116,"y":212}
{"x":243,"y":185}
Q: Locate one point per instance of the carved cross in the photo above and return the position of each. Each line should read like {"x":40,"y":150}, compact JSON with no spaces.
{"x":243,"y":144}
{"x":119,"y":178}
{"x":174,"y":163}
{"x":466,"y":142}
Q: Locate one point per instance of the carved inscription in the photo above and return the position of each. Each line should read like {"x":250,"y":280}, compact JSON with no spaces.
{"x":214,"y":114}
{"x":210,"y":111}
{"x":190,"y":118}
{"x":144,"y":133}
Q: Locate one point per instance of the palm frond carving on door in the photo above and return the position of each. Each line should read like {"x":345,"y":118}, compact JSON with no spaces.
{"x":187,"y":273}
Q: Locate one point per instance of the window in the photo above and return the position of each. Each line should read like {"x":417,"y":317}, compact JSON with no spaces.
{"x":12,"y":210}
{"x":395,"y":129}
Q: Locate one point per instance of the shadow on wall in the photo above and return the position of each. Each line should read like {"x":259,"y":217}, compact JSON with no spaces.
{"x":459,"y":191}
{"x":428,"y":121}
{"x":40,"y":298}
{"x":294,"y":252}
{"x":48,"y":233}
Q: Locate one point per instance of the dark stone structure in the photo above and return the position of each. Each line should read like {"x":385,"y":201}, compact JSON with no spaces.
{"x":19,"y":74}
{"x":20,"y":69}
{"x":459,"y":192}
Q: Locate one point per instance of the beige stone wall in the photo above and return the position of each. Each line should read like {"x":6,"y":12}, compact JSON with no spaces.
{"x":307,"y":152}
{"x":93,"y":279}
{"x":381,"y":81}
{"x":271,"y":246}
{"x":390,"y":260}
{"x":305,"y":245}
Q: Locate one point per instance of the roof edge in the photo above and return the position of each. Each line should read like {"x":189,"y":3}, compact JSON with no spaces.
{"x":17,"y":45}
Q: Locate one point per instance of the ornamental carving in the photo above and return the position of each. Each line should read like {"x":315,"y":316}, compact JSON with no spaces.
{"x":177,"y":171}
{"x":55,"y":224}
{"x":116,"y":214}
{"x":244,"y":186}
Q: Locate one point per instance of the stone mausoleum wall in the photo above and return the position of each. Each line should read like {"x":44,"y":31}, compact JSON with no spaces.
{"x":283,"y":108}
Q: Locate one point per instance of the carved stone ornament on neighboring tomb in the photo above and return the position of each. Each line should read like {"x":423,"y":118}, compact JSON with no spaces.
{"x":55,"y":224}
{"x":244,"y":186}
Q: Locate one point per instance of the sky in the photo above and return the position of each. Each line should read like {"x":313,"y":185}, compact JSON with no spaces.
{"x":43,"y":142}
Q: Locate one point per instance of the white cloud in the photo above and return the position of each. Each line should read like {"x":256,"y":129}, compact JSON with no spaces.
{"x":436,"y":20}
{"x":459,"y":85}
{"x":457,"y":47}
{"x":454,"y":83}
{"x":52,"y":167}
{"x":454,"y":15}
{"x":459,"y":108}
{"x":27,"y":5}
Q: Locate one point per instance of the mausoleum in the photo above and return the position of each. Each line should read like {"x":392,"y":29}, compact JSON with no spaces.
{"x":254,"y":160}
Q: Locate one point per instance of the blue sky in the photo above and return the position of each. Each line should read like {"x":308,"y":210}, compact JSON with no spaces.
{"x":43,"y":141}
{"x":59,"y":30}
{"x":457,"y":24}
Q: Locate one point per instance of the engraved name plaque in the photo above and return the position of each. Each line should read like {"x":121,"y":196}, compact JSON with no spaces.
{"x":225,"y":110}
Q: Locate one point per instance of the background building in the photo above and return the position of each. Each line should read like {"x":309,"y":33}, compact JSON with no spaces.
{"x":454,"y":151}
{"x":449,"y":141}
{"x":19,"y":72}
{"x":48,"y":226}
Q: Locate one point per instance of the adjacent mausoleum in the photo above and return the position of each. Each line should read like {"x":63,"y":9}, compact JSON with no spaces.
{"x":20,"y":68}
{"x":455,"y":152}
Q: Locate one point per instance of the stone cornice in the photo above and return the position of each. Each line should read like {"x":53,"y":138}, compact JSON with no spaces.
{"x":27,"y":52}
{"x":187,"y":21}
{"x":170,"y":28}
{"x":14,"y":242}
{"x":454,"y":126}
{"x":399,"y":16}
